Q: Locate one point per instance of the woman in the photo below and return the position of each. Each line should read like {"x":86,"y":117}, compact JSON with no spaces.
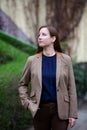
{"x":53,"y":100}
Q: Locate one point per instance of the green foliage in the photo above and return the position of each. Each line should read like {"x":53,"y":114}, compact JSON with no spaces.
{"x":81,"y":79}
{"x":12,"y":115}
{"x":64,"y":46}
{"x":4,"y":57}
{"x":12,"y":52}
{"x":25,"y":47}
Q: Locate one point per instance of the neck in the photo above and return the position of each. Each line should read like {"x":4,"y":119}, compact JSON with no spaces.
{"x":48,"y":51}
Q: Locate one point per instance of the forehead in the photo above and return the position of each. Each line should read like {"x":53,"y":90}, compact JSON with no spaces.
{"x":44,"y":30}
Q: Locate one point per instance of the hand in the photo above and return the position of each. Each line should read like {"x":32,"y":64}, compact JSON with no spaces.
{"x":32,"y":106}
{"x":72,"y":122}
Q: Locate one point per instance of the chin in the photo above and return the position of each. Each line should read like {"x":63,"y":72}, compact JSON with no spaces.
{"x":41,"y":45}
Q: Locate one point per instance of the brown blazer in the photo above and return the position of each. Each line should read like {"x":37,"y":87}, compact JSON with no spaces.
{"x":65,"y":85}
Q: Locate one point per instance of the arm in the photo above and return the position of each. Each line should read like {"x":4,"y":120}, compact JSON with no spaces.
{"x":23,"y":84}
{"x":72,"y":96}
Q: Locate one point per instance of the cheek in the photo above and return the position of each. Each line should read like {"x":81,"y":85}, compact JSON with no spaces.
{"x":47,"y":40}
{"x":44,"y":42}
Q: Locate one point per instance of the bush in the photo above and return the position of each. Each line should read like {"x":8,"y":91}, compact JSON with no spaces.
{"x":81,"y":79}
{"x":12,"y":115}
{"x":4,"y":57}
{"x":19,"y":44}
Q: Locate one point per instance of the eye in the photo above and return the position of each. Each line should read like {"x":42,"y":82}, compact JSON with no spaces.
{"x":44,"y":34}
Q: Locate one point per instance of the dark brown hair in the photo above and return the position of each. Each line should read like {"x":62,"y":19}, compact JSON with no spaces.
{"x":53,"y":32}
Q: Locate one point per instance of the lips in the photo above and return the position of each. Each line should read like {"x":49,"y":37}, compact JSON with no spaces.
{"x":40,"y":41}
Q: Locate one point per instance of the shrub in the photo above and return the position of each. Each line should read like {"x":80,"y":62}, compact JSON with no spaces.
{"x":12,"y":115}
{"x":19,"y":44}
{"x":80,"y":78}
{"x":4,"y":57}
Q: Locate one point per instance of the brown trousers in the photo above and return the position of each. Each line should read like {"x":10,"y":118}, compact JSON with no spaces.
{"x":47,"y":118}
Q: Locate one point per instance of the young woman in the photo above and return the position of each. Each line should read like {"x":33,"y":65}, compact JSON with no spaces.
{"x":52,"y":100}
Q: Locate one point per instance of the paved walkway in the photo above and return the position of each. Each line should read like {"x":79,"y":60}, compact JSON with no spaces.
{"x":81,"y":123}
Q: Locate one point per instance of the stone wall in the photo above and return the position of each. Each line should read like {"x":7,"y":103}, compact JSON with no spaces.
{"x":78,"y":45}
{"x":28,"y":15}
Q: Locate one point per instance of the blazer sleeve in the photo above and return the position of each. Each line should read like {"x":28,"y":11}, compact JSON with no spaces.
{"x":72,"y":92}
{"x":23,"y":84}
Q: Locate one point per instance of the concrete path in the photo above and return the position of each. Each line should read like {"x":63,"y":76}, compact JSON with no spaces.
{"x":81,"y":123}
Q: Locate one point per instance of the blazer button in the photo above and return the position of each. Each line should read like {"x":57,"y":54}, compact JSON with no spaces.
{"x":57,"y":89}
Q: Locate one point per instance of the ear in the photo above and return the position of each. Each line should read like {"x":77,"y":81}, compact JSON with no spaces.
{"x":53,"y":39}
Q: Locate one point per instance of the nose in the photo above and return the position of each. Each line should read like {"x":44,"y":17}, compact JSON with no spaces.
{"x":39,"y":37}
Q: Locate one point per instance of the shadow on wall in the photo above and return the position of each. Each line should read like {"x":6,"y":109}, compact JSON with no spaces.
{"x":8,"y":26}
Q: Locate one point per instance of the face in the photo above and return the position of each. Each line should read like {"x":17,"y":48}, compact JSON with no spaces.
{"x":44,"y":38}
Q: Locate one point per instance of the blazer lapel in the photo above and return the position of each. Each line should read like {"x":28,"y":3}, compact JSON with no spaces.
{"x":39,"y":57}
{"x":58,"y":68}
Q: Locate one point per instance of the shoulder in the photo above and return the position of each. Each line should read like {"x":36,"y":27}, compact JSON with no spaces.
{"x":66,"y":58}
{"x":31,"y":58}
{"x":34,"y":57}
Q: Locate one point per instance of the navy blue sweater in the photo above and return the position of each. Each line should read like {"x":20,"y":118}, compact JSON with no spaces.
{"x":48,"y":79}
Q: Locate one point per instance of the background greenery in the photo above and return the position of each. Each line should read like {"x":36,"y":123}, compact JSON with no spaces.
{"x":13,"y":55}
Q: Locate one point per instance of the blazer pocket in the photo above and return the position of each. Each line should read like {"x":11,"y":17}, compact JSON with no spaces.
{"x":32,"y":106}
{"x":33,"y":97}
{"x":66,"y":99}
